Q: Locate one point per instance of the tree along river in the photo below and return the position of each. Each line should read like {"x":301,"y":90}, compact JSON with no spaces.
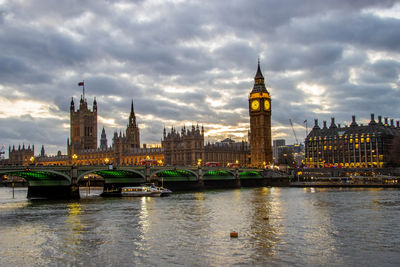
{"x":276,"y":226}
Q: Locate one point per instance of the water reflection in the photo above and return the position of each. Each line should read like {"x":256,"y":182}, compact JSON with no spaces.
{"x":276,"y":226}
{"x":263,"y":234}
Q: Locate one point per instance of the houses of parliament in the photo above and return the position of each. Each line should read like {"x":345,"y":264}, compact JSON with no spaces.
{"x":185,"y":146}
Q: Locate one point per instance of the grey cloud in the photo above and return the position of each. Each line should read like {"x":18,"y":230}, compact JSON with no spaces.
{"x":322,"y":40}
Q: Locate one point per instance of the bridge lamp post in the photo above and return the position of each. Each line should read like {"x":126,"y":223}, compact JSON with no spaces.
{"x":32,"y":159}
{"x":106,"y":160}
{"x":74,"y":158}
{"x":199,"y":162}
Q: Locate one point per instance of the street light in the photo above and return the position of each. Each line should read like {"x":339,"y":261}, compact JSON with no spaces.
{"x":106,"y":160}
{"x":74,"y":158}
{"x":199,"y":162}
{"x":32,"y":159}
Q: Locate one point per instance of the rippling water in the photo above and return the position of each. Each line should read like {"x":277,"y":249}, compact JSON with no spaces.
{"x":276,"y":226}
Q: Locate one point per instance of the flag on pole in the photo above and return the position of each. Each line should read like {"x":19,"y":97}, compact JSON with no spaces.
{"x":81,"y":84}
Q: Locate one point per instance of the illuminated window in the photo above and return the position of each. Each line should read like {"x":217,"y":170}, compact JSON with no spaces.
{"x":362,"y":140}
{"x":351,"y":140}
{"x":330,"y":147}
{"x":367,"y":139}
{"x":356,"y":146}
{"x":356,"y":140}
{"x":324,"y":147}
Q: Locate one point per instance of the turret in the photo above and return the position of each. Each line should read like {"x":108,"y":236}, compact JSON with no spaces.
{"x":372,"y":122}
{"x":333,"y":125}
{"x":353,"y":123}
{"x":95,"y":105}
{"x":103,"y":139}
{"x":316,"y":126}
{"x":72,"y":107}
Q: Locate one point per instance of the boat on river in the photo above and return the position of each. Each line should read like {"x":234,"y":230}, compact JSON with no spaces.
{"x":141,"y":191}
{"x":164,"y":191}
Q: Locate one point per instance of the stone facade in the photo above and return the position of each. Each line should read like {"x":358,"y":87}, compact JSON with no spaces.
{"x":228,"y":151}
{"x":83,"y":127}
{"x":183,"y":148}
{"x":20,"y":156}
{"x":186,"y":147}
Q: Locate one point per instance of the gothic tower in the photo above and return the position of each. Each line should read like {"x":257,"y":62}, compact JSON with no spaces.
{"x":83,"y":128}
{"x":132,"y":130}
{"x":260,"y":122}
{"x":103,"y":139}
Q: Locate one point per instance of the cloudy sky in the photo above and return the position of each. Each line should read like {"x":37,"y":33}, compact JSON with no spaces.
{"x":189,"y":62}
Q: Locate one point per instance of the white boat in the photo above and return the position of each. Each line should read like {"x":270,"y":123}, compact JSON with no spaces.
{"x":140,"y":191}
{"x":164,"y":191}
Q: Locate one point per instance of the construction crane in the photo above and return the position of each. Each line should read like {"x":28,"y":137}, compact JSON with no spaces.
{"x":2,"y":151}
{"x":295,"y":136}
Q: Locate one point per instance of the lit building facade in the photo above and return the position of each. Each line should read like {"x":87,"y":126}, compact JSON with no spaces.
{"x":186,"y":147}
{"x":354,"y":146}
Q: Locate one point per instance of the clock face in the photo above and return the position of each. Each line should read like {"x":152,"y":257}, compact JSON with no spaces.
{"x":255,"y":105}
{"x":266,"y":105}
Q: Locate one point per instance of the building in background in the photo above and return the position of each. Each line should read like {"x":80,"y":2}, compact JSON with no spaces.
{"x":353,"y":146}
{"x":186,"y":147}
{"x":83,"y":127}
{"x":177,"y":148}
{"x":276,"y":145}
{"x":20,"y":156}
{"x":290,"y":155}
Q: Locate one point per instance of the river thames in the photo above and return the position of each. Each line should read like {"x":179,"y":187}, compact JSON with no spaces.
{"x":276,"y":226}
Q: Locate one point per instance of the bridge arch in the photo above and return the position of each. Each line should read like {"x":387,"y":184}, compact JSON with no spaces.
{"x":108,"y":174}
{"x":175,"y":173}
{"x":49,"y":177}
{"x":250,"y":174}
{"x":218,"y":174}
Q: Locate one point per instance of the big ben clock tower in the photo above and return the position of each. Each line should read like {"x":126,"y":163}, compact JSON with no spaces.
{"x":260,"y":122}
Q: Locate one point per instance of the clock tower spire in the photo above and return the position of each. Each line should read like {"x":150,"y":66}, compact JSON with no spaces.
{"x":260,"y":122}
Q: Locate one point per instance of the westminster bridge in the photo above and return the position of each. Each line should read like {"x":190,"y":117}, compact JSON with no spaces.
{"x":63,"y":181}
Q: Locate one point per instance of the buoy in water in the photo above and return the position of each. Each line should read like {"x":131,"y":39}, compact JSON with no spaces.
{"x":234,"y":234}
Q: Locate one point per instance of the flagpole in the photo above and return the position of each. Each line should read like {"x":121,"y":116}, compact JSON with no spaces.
{"x":83,"y":89}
